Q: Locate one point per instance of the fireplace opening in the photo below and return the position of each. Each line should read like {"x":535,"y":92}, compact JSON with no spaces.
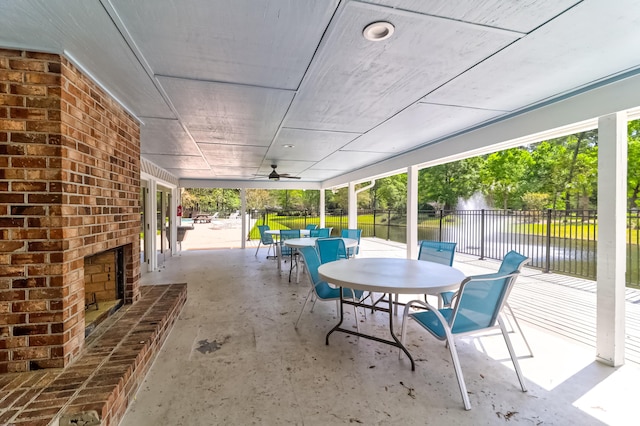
{"x":104,"y":279}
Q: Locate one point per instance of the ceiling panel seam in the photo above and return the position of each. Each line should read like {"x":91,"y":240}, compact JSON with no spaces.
{"x":137,"y":53}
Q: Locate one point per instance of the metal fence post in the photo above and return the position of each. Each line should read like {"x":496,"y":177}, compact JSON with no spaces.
{"x":374,"y":222}
{"x":388,"y":224}
{"x":440,"y":225}
{"x":482,"y":232}
{"x":547,"y":266}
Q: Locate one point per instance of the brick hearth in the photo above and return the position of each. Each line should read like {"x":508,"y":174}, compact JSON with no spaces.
{"x":107,"y":373}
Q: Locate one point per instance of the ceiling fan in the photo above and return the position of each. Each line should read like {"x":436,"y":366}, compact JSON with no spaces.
{"x":274,"y":175}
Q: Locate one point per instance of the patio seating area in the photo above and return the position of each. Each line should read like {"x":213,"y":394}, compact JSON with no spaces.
{"x":234,"y":356}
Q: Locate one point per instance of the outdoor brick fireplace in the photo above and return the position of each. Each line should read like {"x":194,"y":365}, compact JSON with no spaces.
{"x":69,"y":189}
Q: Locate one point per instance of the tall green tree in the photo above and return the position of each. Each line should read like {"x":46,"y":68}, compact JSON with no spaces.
{"x":445,"y":184}
{"x":580,"y":176}
{"x":503,"y":176}
{"x":633,"y":173}
{"x":391,"y":192}
{"x":549,"y":171}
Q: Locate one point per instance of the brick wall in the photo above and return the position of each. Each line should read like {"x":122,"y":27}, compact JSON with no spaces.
{"x":69,"y":188}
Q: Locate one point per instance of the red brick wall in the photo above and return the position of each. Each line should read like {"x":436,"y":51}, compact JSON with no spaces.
{"x":69,"y":188}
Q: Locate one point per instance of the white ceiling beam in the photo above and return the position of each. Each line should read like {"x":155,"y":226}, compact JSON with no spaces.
{"x":568,"y":115}
{"x":237,"y":184}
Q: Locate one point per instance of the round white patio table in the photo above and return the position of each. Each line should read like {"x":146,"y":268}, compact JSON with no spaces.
{"x":311,"y":242}
{"x":391,"y":276}
{"x":276,"y":233}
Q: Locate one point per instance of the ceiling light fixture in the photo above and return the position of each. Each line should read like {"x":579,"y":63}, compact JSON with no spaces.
{"x":378,"y":31}
{"x":288,"y":146}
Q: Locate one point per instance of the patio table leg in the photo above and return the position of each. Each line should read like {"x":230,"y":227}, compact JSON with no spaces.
{"x":395,"y":342}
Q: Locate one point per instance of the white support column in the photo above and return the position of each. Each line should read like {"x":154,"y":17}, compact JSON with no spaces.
{"x":612,"y":195}
{"x":322,"y":208}
{"x":243,"y":214}
{"x":412,"y":212}
{"x":352,"y":222}
{"x":175,"y":220}
{"x":151,"y":226}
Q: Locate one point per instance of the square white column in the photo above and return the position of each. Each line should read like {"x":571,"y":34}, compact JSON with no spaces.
{"x":412,"y":212}
{"x":612,"y":255}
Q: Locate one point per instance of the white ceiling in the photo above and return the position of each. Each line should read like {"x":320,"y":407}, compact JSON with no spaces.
{"x":222,"y":86}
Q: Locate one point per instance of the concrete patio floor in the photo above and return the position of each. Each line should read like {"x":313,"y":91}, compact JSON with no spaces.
{"x":234,"y":357}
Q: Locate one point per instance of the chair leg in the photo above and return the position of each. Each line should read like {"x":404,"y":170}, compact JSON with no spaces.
{"x":355,"y":316}
{"x":458,"y":369}
{"x":526,"y":342}
{"x":258,"y":248}
{"x":302,"y":310}
{"x":514,"y":359}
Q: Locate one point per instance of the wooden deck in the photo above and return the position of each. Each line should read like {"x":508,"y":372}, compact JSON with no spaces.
{"x":558,"y":303}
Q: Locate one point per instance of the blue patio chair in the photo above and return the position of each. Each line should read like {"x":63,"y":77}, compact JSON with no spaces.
{"x":355,"y":235}
{"x":265,"y":239}
{"x":513,"y":262}
{"x":311,"y":226}
{"x":439,"y":252}
{"x":330,"y":249}
{"x":320,"y":233}
{"x":321,"y":289}
{"x":476,"y":308}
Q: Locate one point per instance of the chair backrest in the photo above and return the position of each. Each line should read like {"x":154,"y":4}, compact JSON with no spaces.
{"x":320,"y":233}
{"x":437,"y":251}
{"x":354,"y":234}
{"x":479,"y":302}
{"x":265,"y":238}
{"x":311,"y":226}
{"x":330,"y":249}
{"x":312,"y":262}
{"x":287,"y":234}
{"x":512,"y":262}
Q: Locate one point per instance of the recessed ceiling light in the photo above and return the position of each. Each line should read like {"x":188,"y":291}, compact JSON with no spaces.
{"x":288,"y":146}
{"x":378,"y":31}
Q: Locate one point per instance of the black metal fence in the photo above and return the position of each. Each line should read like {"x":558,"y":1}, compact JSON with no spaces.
{"x":555,"y":240}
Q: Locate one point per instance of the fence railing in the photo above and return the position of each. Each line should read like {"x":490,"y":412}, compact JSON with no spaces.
{"x":555,"y":240}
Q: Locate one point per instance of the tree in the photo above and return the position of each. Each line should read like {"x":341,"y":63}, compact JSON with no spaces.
{"x":445,"y":184}
{"x":503,"y":176}
{"x":258,"y":199}
{"x":311,"y":200}
{"x":633,"y":173}
{"x":549,"y":170}
{"x":391,"y":192}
